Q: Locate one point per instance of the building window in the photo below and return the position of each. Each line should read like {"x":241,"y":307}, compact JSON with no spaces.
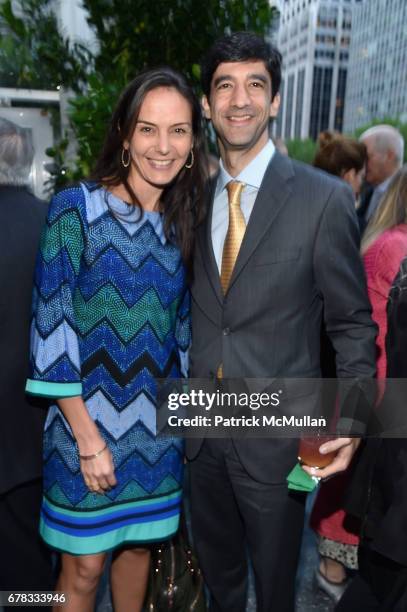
{"x":299,"y":103}
{"x":289,"y":106}
{"x":326,"y":39}
{"x":279,"y":120}
{"x":340,"y":99}
{"x":321,"y":97}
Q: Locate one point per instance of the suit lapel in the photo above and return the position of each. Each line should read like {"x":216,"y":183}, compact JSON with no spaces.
{"x":205,"y":243}
{"x":272,"y":195}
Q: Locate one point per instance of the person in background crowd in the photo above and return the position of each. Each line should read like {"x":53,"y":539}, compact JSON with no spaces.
{"x":378,"y":493}
{"x":342,"y":156}
{"x":385,"y":153}
{"x":337,"y":534}
{"x":111,"y":315}
{"x":384,"y":246}
{"x":25,"y":563}
{"x":280,"y":240}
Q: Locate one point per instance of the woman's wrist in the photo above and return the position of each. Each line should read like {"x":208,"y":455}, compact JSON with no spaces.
{"x":89,"y":442}
{"x":93,"y":455}
{"x":83,"y":427}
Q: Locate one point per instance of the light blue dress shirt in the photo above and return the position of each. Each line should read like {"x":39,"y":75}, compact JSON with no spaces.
{"x":252,"y":175}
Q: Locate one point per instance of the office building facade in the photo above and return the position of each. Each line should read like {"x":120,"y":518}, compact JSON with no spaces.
{"x":377,"y":75}
{"x":314,"y":38}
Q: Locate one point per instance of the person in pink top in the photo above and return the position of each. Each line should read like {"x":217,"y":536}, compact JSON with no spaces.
{"x":384,"y":246}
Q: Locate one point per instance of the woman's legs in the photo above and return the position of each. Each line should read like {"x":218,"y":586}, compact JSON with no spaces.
{"x":79,"y":579}
{"x":128,"y":579}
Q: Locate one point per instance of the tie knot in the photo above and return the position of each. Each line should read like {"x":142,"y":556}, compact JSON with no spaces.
{"x":235,"y":189}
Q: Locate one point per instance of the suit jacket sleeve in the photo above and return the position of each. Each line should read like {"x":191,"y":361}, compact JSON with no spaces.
{"x":341,"y":282}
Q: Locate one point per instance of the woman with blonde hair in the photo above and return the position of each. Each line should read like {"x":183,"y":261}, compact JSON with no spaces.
{"x":384,"y":246}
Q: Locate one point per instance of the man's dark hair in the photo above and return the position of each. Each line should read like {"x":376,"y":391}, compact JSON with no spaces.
{"x":241,"y":47}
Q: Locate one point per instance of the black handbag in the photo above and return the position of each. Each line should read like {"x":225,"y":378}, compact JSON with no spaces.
{"x":175,"y":581}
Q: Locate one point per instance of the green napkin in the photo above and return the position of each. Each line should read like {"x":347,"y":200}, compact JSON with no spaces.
{"x":298,"y":480}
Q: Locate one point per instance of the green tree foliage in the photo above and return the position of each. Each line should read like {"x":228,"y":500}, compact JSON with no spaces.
{"x":90,"y":114}
{"x":34,"y":53}
{"x":131,"y":34}
{"x":303,"y":150}
{"x":138,"y":33}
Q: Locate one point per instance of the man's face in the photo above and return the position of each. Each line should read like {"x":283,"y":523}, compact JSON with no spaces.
{"x":377,"y":165}
{"x":240,"y":105}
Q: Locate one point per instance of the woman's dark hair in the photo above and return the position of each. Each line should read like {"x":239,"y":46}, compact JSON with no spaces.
{"x":182,"y":200}
{"x":337,"y":154}
{"x":241,"y":47}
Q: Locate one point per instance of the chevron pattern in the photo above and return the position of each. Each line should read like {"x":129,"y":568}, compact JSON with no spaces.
{"x":111,"y":313}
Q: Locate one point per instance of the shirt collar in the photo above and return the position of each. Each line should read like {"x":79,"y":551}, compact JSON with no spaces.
{"x":382,"y":187}
{"x":252,"y":174}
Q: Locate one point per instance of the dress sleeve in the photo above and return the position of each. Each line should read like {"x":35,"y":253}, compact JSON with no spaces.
{"x":55,"y":369}
{"x":183,"y":331}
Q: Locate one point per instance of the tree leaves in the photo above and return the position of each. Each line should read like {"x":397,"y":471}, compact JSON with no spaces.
{"x":132,"y":34}
{"x":35,"y":54}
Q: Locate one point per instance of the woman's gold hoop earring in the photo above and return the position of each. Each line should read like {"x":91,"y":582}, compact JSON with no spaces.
{"x":126,"y":164}
{"x":191,"y":163}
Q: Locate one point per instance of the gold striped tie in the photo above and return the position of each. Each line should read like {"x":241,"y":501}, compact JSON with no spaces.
{"x":233,"y":240}
{"x":234,"y":237}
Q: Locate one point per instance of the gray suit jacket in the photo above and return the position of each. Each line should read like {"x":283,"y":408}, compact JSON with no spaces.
{"x":299,"y":262}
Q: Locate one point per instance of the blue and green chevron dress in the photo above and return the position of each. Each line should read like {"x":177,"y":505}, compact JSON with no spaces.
{"x":110,"y":315}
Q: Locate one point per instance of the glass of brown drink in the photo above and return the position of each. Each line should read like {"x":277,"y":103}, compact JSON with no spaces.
{"x":308,"y":452}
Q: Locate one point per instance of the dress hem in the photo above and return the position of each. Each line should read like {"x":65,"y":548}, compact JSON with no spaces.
{"x":106,"y":550}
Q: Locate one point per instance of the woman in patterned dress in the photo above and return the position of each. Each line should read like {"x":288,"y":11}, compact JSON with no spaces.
{"x":110,"y":316}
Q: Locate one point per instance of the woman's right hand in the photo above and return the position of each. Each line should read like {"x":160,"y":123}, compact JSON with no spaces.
{"x":98,"y":473}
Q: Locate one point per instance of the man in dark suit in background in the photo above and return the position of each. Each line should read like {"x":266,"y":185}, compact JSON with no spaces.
{"x":385,"y":154}
{"x":279,"y":248}
{"x":25,"y":563}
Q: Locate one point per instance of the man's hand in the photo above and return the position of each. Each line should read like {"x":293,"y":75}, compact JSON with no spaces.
{"x":345,"y":448}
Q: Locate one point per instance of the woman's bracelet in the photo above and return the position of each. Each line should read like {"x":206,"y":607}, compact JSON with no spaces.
{"x":95,"y":456}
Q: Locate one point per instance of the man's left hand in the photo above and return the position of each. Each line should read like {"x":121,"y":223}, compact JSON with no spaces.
{"x":345,"y":448}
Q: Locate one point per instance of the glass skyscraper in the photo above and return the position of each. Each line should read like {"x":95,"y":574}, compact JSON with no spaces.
{"x":314,"y":37}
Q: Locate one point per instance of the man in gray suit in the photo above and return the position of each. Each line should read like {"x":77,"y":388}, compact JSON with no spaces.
{"x":279,"y":251}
